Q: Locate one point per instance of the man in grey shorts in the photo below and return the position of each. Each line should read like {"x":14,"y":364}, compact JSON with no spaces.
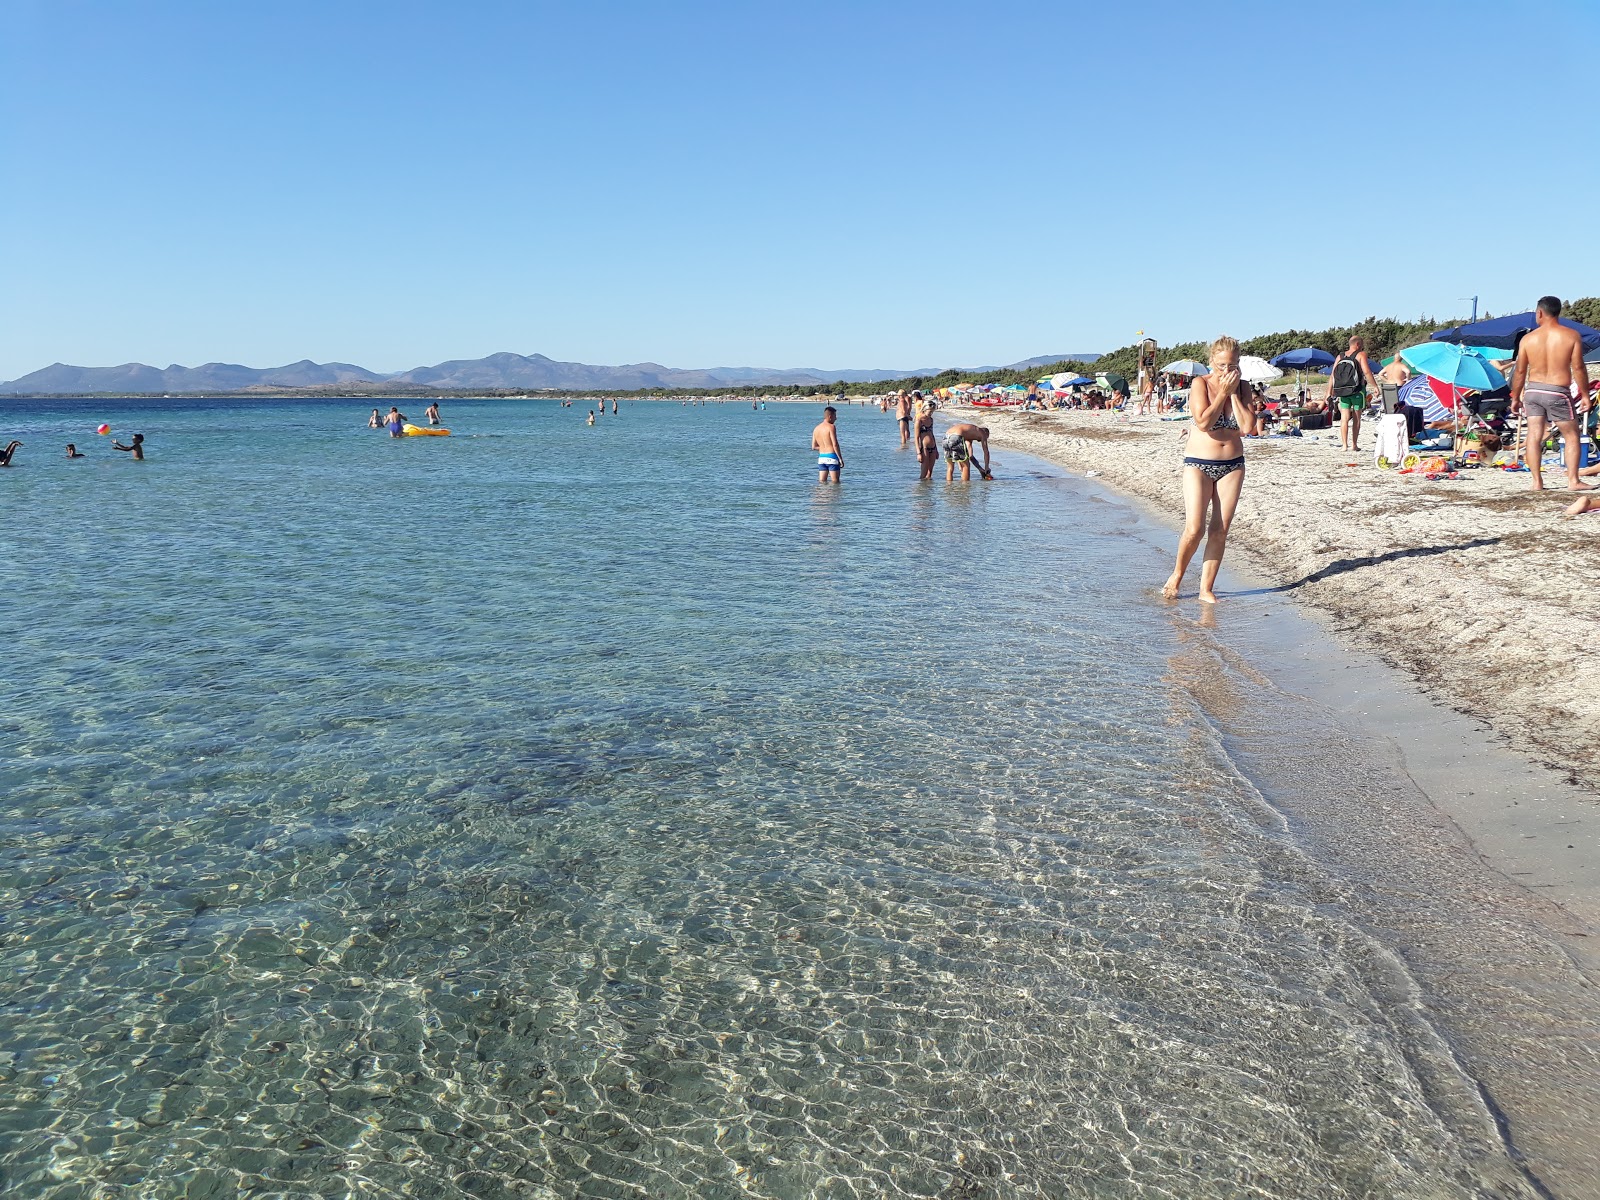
{"x":1549,"y":361}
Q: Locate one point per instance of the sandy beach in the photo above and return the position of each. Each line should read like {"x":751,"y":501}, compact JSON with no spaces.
{"x":1477,"y":586}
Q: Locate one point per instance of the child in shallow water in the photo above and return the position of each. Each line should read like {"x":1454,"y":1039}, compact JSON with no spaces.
{"x":137,"y":449}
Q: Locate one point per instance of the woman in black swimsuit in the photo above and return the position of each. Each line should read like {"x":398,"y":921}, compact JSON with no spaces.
{"x":1213,"y":467}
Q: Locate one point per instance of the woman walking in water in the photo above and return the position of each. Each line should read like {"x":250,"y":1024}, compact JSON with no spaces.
{"x":1213,"y":467}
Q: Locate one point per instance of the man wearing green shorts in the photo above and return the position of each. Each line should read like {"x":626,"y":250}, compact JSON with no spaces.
{"x":1351,"y":377}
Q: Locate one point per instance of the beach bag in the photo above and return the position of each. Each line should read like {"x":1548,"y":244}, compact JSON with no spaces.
{"x":1347,"y":379}
{"x":1390,"y":447}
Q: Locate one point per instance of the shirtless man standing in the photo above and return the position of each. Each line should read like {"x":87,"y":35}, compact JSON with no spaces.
{"x":1390,"y":380}
{"x":825,"y":441}
{"x":902,"y":413}
{"x":958,"y":440}
{"x":1549,"y":359}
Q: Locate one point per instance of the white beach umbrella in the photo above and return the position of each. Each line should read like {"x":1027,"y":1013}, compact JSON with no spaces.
{"x":1257,"y":370}
{"x":1186,"y":366}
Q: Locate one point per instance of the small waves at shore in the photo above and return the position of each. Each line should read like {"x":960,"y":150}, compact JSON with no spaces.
{"x":622,"y":815}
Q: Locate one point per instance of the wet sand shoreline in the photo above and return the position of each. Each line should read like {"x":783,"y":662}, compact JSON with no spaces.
{"x":1474,"y":866}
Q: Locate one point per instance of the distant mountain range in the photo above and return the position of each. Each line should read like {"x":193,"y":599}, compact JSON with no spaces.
{"x":498,"y":371}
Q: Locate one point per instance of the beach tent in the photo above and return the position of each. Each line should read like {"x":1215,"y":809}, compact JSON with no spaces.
{"x":1506,"y":332}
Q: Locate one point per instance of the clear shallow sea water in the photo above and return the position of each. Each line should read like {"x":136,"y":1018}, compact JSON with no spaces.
{"x":561,"y":812}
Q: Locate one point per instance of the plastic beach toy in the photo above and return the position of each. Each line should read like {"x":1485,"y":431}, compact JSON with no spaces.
{"x":102,"y":429}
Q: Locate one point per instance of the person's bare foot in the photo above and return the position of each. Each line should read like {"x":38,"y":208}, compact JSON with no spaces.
{"x":1208,"y":597}
{"x":1577,"y":507}
{"x":1580,"y":487}
{"x":1170,"y":588}
{"x":1536,"y":486}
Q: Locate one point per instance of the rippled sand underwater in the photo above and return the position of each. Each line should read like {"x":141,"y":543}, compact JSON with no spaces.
{"x":554,"y":812}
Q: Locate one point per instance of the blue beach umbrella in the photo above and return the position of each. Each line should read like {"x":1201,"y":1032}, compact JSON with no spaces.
{"x":1505,"y":332}
{"x":1457,"y":365}
{"x":1306,"y":358}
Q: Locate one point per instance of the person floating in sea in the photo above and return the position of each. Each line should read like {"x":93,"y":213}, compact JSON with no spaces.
{"x":72,"y":451}
{"x":902,"y":413}
{"x":1213,"y":468}
{"x":7,"y":454}
{"x":1549,"y":362}
{"x":375,"y":421}
{"x":1348,"y":386}
{"x":395,"y":421}
{"x":591,"y":416}
{"x":958,"y":443}
{"x":137,"y":449}
{"x":432,"y":413}
{"x":825,"y":441}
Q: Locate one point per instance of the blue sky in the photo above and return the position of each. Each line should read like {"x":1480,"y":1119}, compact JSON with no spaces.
{"x":821,"y":184}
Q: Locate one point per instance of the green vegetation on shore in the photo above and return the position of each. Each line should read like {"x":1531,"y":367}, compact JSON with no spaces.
{"x":1383,"y":336}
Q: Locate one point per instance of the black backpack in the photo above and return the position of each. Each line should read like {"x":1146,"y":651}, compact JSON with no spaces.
{"x":1347,"y":380}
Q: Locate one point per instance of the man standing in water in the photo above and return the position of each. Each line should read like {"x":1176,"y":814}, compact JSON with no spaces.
{"x":1549,"y":361}
{"x":825,"y":441}
{"x":902,"y":413}
{"x":432,"y":413}
{"x":958,"y":440}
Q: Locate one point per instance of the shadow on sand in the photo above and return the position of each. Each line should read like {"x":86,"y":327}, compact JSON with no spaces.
{"x":1343,"y":565}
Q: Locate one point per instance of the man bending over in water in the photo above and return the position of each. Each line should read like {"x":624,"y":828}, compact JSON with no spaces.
{"x":1549,"y":359}
{"x":5,"y":455}
{"x":825,"y":441}
{"x":137,"y":449}
{"x":958,"y":440}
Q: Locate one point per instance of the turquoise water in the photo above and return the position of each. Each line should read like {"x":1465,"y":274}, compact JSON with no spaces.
{"x":550,"y":811}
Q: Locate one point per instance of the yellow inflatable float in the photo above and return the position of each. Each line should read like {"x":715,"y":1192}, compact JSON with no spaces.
{"x":410,"y":430}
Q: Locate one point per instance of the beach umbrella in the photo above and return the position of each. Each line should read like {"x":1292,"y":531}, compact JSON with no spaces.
{"x":1453,"y":369}
{"x":1257,"y":370}
{"x":1419,"y":393}
{"x":1306,"y":358}
{"x":1186,"y":366}
{"x":1455,"y":365}
{"x":1506,"y":332}
{"x":1113,"y":382}
{"x":1592,"y":356}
